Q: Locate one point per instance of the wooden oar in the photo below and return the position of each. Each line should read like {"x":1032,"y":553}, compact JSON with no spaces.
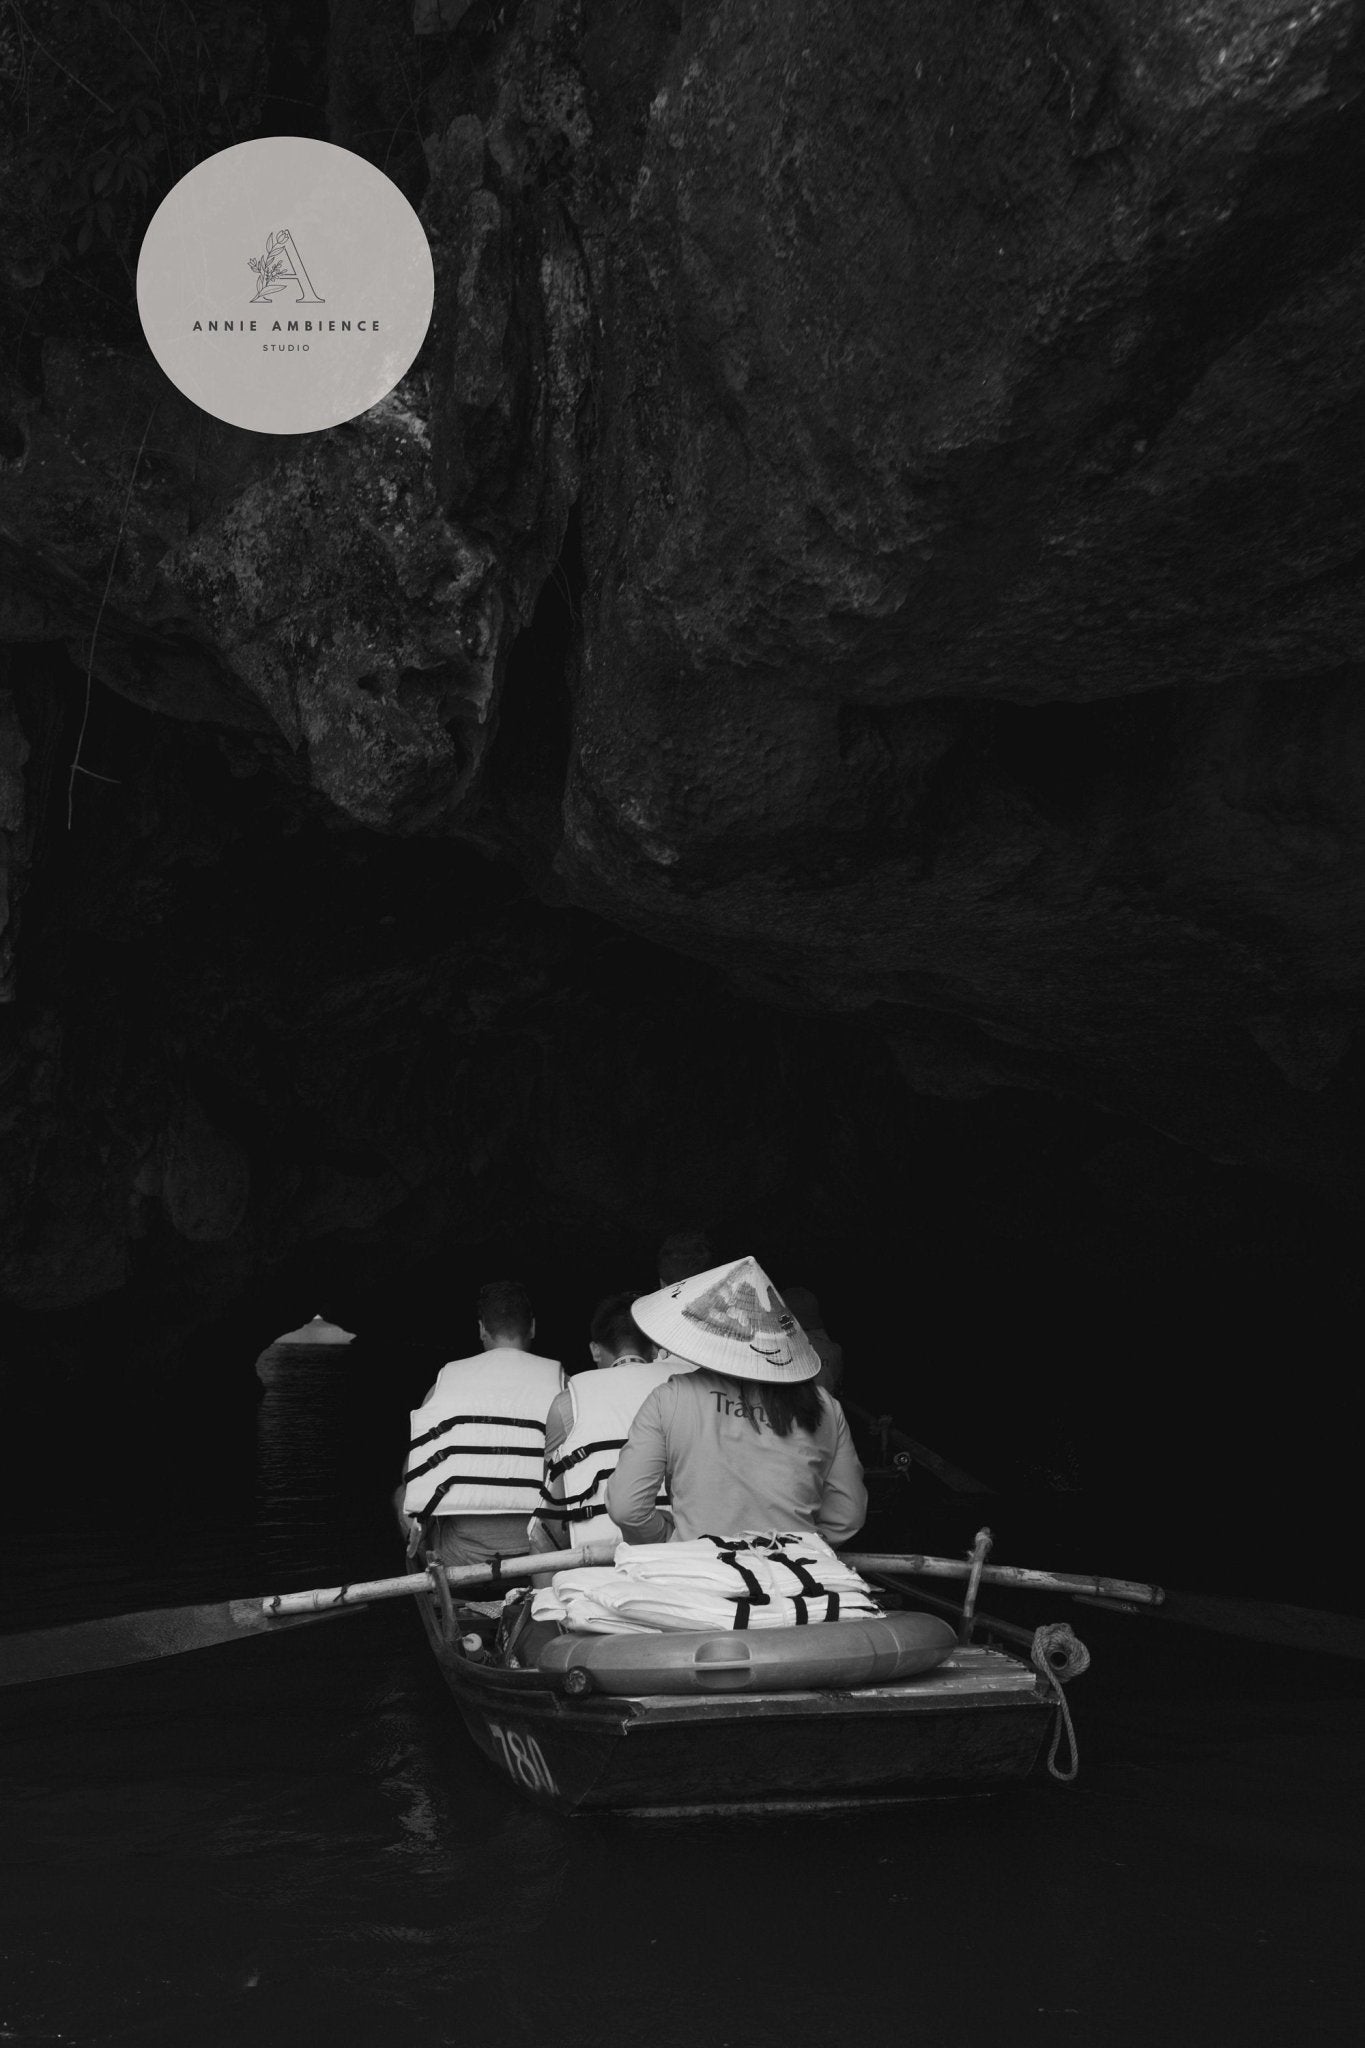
{"x":323,"y":1599}
{"x":115,"y":1639}
{"x":1268,"y":1621}
{"x":921,"y":1567}
{"x":1257,"y":1621}
{"x":118,"y":1639}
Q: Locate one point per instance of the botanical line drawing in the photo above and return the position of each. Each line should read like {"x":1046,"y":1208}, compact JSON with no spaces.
{"x":281,"y":265}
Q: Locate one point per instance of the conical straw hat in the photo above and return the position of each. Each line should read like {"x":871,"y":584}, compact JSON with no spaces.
{"x":731,"y":1319}
{"x":319,"y":1331}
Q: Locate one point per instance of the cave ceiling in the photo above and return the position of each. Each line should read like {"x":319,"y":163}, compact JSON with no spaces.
{"x":878,"y":522}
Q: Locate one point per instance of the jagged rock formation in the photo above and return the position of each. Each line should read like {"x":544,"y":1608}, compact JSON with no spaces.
{"x":878,"y":514}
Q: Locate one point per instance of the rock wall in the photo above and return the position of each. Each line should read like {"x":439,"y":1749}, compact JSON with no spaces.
{"x":974,"y":552}
{"x":877,"y":520}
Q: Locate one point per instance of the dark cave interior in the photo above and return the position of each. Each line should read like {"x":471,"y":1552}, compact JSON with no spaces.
{"x":831,"y":714}
{"x":428,"y":1076}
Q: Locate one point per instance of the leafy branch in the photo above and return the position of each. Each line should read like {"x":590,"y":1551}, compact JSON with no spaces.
{"x":273,"y":270}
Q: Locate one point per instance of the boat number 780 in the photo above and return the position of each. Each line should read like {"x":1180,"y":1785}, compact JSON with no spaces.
{"x":522,"y":1756}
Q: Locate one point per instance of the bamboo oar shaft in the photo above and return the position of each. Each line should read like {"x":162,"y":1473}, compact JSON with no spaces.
{"x":320,"y":1598}
{"x":363,"y":1590}
{"x":916,"y":1566}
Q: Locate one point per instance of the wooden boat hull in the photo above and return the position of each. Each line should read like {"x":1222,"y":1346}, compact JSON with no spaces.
{"x":974,"y":1725}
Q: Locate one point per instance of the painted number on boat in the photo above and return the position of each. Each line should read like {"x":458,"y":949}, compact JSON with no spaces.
{"x":522,"y":1756}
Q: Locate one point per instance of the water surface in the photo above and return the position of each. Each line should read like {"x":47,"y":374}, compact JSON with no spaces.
{"x":292,"y":1840}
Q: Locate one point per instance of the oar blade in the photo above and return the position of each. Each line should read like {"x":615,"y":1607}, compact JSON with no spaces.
{"x":118,"y":1639}
{"x":1270,"y":1621}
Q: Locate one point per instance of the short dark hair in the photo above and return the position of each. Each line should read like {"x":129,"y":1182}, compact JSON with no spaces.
{"x":685,"y":1253}
{"x":615,"y":1328}
{"x":505,"y":1309}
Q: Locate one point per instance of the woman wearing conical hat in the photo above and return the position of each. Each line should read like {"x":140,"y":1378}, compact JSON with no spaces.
{"x":747,"y":1440}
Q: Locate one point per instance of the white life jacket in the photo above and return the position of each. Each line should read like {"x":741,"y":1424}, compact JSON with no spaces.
{"x":755,"y":1581}
{"x":605,"y":1403}
{"x":478,"y":1440}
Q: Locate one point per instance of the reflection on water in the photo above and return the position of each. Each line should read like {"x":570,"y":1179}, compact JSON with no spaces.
{"x":291,"y":1840}
{"x":315,"y":1451}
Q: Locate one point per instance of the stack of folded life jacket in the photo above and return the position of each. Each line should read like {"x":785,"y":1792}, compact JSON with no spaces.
{"x":756,"y":1580}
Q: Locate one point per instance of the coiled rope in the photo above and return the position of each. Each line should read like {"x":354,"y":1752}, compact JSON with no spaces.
{"x":1058,"y":1655}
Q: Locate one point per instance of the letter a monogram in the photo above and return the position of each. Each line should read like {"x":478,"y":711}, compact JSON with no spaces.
{"x":280,"y":266}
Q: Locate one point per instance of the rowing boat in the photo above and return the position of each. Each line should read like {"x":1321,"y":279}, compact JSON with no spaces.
{"x":975,"y":1724}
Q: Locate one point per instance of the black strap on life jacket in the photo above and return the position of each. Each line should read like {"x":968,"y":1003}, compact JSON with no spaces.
{"x":808,"y":1585}
{"x":756,"y":1597}
{"x":581,"y":1507}
{"x":552,"y":1512}
{"x":468,"y":1479}
{"x":548,"y":1509}
{"x":598,"y":1485}
{"x":429,"y":1436}
{"x":558,"y":1466}
{"x":474,"y":1451}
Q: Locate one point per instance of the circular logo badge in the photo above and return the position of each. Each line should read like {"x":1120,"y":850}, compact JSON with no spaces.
{"x":285,"y":285}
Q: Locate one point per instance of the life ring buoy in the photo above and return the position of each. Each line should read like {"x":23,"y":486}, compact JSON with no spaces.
{"x":873,"y":1650}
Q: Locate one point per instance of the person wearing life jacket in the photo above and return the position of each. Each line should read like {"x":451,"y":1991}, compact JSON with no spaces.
{"x":474,"y":1465}
{"x":748,"y":1441}
{"x":589,"y":1424}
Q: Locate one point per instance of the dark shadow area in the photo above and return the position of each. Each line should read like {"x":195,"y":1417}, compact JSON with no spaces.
{"x":521,"y":783}
{"x":265,"y":1064}
{"x":296,"y":76}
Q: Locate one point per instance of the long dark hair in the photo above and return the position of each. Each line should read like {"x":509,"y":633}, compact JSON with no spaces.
{"x":779,"y":1403}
